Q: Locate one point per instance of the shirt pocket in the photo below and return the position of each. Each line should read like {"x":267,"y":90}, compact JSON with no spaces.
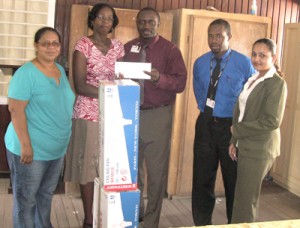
{"x":234,"y":84}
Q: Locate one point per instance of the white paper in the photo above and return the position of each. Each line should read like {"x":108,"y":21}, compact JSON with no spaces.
{"x":133,"y":70}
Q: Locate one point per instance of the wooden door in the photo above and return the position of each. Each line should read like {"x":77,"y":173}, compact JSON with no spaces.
{"x":191,"y":38}
{"x":286,"y":170}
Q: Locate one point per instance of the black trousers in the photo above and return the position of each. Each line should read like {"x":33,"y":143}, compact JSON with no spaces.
{"x":212,"y":136}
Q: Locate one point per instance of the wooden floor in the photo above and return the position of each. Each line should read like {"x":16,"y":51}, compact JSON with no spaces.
{"x":275,"y":204}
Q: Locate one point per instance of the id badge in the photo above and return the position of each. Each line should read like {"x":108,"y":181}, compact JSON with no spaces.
{"x":135,"y":48}
{"x":210,"y":103}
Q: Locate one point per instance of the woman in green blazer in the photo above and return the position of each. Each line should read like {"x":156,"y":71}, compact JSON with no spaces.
{"x":255,"y":130}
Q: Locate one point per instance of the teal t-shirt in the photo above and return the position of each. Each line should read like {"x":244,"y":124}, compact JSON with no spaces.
{"x":49,"y":112}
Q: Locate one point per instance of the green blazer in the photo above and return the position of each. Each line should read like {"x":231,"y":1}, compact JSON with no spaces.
{"x":258,"y":134}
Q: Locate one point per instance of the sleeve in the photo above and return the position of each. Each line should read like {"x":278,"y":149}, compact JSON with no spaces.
{"x":175,"y":76}
{"x":236,"y":112}
{"x":196,"y":85}
{"x":21,"y":84}
{"x":271,"y":116}
{"x":121,"y":49}
{"x":83,"y":46}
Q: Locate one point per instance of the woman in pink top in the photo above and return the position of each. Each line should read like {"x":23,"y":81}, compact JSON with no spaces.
{"x":93,"y":60}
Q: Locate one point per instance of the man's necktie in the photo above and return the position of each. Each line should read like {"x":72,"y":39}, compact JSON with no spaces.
{"x":216,"y":72}
{"x":214,"y":77}
{"x":142,"y":58}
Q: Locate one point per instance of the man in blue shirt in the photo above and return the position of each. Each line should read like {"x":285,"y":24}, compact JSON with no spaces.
{"x":219,"y":76}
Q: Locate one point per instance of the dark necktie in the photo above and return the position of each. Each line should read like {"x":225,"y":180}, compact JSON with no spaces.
{"x":214,"y":77}
{"x":213,"y":87}
{"x":216,"y":72}
{"x":142,"y":58}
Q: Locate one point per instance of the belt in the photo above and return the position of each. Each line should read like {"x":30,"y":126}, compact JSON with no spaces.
{"x":152,"y":107}
{"x":219,"y":120}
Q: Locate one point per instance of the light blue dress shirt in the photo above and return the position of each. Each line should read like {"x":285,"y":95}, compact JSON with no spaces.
{"x":237,"y":68}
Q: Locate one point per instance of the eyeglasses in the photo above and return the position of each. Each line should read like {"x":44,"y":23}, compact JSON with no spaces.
{"x":49,"y":44}
{"x":144,"y":22}
{"x":102,"y":18}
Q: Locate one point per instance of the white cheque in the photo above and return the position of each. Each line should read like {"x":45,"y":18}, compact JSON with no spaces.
{"x":133,"y":70}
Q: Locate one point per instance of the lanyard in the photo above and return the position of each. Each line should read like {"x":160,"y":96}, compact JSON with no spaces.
{"x":221,"y":71}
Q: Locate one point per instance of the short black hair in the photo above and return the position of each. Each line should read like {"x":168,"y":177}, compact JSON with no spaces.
{"x":222,"y":22}
{"x":94,"y":13}
{"x":39,"y":33}
{"x":149,"y":9}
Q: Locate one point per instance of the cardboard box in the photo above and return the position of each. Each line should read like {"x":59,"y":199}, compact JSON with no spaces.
{"x":96,"y":203}
{"x":119,"y":209}
{"x":119,"y":134}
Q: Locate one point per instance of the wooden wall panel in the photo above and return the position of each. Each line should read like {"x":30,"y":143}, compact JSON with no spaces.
{"x":288,"y":12}
{"x":245,"y":7}
{"x":175,"y":4}
{"x":218,"y":4}
{"x":159,"y":5}
{"x":275,"y":20}
{"x":270,"y":9}
{"x":150,"y":3}
{"x":182,"y":4}
{"x":203,"y":4}
{"x":238,"y":6}
{"x":280,"y":27}
{"x":197,"y":4}
{"x":263,"y":8}
{"x":258,"y":2}
{"x":167,"y":4}
{"x":190,"y":4}
{"x":295,"y":11}
{"x":231,"y":6}
{"x":224,"y":6}
{"x":128,"y":3}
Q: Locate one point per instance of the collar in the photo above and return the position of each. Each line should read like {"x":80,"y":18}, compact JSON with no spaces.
{"x":226,"y":54}
{"x":151,"y":42}
{"x":269,"y":74}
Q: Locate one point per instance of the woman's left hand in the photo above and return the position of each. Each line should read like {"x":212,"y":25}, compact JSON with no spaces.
{"x":232,"y":152}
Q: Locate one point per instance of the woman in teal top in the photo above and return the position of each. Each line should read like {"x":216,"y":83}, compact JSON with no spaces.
{"x":41,"y":104}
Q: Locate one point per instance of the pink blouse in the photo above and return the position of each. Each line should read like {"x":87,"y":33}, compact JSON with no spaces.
{"x":99,"y":67}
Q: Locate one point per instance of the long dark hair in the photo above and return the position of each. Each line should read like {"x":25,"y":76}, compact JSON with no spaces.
{"x":272,"y":47}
